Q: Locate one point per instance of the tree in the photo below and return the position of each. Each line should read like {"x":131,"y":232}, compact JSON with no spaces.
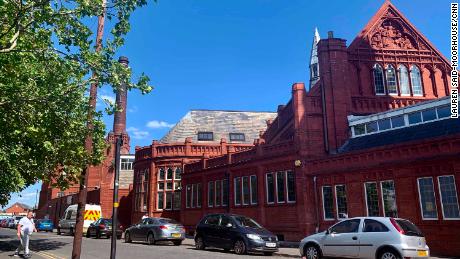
{"x":46,"y":56}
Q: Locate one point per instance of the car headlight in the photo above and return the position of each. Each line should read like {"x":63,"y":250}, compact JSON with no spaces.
{"x":253,"y":237}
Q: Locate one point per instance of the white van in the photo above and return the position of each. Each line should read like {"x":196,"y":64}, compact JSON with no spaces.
{"x":68,"y":221}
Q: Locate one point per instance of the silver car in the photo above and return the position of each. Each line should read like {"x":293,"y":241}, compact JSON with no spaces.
{"x":367,"y":237}
{"x":152,"y":230}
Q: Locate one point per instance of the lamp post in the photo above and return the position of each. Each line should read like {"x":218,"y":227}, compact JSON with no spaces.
{"x":113,"y":245}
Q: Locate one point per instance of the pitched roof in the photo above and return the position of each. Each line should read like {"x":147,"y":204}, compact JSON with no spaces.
{"x":22,"y":205}
{"x":417,"y":132}
{"x":220,"y":123}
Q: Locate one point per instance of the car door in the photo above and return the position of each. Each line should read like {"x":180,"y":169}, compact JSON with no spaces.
{"x":135,"y":231}
{"x":373,"y":235}
{"x":224,"y":232}
{"x":210,"y":230}
{"x":342,"y":239}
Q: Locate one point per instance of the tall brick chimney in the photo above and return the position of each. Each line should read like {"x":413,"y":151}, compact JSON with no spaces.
{"x":119,"y":122}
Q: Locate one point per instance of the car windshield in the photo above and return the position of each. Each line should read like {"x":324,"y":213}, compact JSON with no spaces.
{"x":246,"y":222}
{"x":45,"y":221}
{"x":167,"y":221}
{"x":107,"y":222}
{"x":409,"y":228}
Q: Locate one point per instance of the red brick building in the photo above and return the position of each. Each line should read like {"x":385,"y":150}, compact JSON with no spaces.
{"x":199,"y":135}
{"x":53,"y":201}
{"x":364,"y":140}
{"x":18,"y":208}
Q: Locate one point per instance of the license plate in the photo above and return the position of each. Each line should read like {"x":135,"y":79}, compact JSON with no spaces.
{"x":422,"y":253}
{"x":175,"y":234}
{"x":270,"y":244}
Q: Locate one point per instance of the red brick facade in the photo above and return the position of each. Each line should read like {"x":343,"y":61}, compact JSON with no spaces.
{"x":301,"y":147}
{"x":18,"y":208}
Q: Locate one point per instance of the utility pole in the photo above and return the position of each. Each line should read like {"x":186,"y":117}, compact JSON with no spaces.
{"x":113,"y":245}
{"x":77,"y":240}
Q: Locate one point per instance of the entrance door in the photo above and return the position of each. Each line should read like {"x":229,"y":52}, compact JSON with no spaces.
{"x":343,"y":239}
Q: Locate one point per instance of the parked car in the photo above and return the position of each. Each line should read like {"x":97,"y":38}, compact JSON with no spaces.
{"x":11,"y":223}
{"x":367,"y":237}
{"x":103,"y":227}
{"x":67,"y":223}
{"x":230,"y":231}
{"x":44,"y":225}
{"x":153,"y":230}
{"x":16,"y":220}
{"x":4,"y":223}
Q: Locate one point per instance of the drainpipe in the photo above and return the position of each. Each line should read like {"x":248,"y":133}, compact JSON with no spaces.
{"x":316,"y":204}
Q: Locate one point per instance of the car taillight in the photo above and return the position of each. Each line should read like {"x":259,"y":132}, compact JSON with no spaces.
{"x":101,"y":226}
{"x":163,"y":227}
{"x":396,"y":225}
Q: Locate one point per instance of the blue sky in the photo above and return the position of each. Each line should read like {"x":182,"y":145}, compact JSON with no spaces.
{"x":237,"y":55}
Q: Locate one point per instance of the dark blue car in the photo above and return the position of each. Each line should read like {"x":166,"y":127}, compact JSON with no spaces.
{"x":44,"y":225}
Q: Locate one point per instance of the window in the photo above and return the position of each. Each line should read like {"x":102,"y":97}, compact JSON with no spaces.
{"x":415,"y":117}
{"x":253,"y":189}
{"x":177,"y":199}
{"x":429,"y":115}
{"x":177,"y":185}
{"x":427,"y":198}
{"x":416,"y":80}
{"x":328,"y":202}
{"x":218,"y":193}
{"x":341,"y":201}
{"x":280,"y":184}
{"x":160,"y":201}
{"x":237,"y":182}
{"x":169,"y":175}
{"x":384,"y":124}
{"x":378,"y":79}
{"x":290,"y":186}
{"x":443,"y":111}
{"x":210,"y":194}
{"x":372,"y":201}
{"x":193,"y":201}
{"x":403,"y":80}
{"x":188,"y":196}
{"x":270,"y":188}
{"x":178,"y":173}
{"x":205,"y":136}
{"x":224,"y":192}
{"x":126,"y":164}
{"x":169,"y":186}
{"x":360,"y":129}
{"x":161,"y":186}
{"x":371,"y":127}
{"x":448,"y":194}
{"x":169,"y":196}
{"x":371,"y":225}
{"x":391,"y":80}
{"x":389,"y":199}
{"x":161,"y":174}
{"x":397,"y":121}
{"x":198,"y":195}
{"x":246,"y":193}
{"x":346,"y":226}
{"x":237,"y":137}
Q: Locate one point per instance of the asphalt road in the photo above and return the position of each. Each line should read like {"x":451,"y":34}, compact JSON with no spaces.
{"x":52,"y":246}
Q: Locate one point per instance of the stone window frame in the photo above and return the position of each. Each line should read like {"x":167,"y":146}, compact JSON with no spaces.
{"x":366,"y":198}
{"x":412,"y":69}
{"x":337,"y":203}
{"x":379,"y":67}
{"x":440,"y":196}
{"x":399,"y":73}
{"x":434,"y":198}
{"x":323,"y":203}
{"x":396,"y":81}
{"x":173,"y":190}
{"x":383,"y":200}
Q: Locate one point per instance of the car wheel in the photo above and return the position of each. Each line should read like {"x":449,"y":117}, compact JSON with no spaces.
{"x":389,"y":254}
{"x":128,"y":237}
{"x":98,"y":234}
{"x":150,"y":239}
{"x":239,"y":247}
{"x":177,"y":242}
{"x":199,"y":243}
{"x":312,"y":252}
{"x":88,"y":235}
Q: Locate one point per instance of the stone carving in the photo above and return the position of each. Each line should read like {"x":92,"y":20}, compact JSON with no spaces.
{"x":390,"y":35}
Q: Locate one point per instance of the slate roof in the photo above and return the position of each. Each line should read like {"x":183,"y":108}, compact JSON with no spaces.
{"x":221,"y":123}
{"x":417,"y":132}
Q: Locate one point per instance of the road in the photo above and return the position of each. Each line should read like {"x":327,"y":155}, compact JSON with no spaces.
{"x":52,"y":246}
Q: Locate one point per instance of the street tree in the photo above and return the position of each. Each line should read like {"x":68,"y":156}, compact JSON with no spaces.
{"x":47,"y":55}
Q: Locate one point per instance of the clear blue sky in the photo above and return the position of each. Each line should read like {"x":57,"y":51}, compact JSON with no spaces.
{"x":238,"y":54}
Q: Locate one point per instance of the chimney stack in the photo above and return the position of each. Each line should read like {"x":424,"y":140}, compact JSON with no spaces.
{"x":119,"y":122}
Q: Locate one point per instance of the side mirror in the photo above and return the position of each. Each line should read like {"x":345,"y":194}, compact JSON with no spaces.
{"x":328,"y":231}
{"x":229,"y":225}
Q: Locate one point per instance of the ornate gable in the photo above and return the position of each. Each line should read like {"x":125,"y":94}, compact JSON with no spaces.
{"x":390,"y":30}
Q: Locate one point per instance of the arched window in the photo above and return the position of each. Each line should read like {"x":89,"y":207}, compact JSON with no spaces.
{"x":378,"y":79}
{"x":403,"y":80}
{"x":416,"y":80}
{"x":391,"y":80}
